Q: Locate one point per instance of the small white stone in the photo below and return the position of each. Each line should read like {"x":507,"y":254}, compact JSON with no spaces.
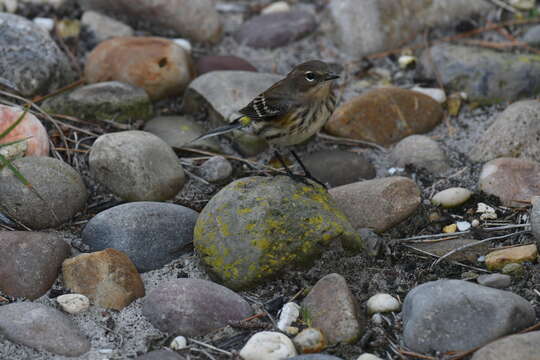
{"x":475,"y":223}
{"x":178,"y":343}
{"x":368,"y":356}
{"x":278,"y":6}
{"x":9,"y":5}
{"x":310,"y":340}
{"x":183,"y":43}
{"x":486,"y":211}
{"x":436,"y":94}
{"x":451,"y":197}
{"x":463,"y":225}
{"x":73,"y":303}
{"x":405,"y":60}
{"x":394,"y":170}
{"x":379,"y":303}
{"x":268,"y":345}
{"x":523,"y":4}
{"x":105,"y":351}
{"x":289,"y":313}
{"x":46,"y":24}
{"x":377,"y":319}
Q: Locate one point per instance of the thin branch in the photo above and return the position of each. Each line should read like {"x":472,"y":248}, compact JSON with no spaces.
{"x":348,"y":141}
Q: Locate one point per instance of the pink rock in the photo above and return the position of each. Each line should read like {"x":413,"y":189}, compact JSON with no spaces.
{"x":30,"y":127}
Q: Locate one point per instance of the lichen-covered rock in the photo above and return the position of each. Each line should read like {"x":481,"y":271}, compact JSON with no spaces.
{"x":256,"y":226}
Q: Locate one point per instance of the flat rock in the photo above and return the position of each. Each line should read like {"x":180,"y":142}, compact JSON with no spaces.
{"x":456,"y":315}
{"x":222,"y":62}
{"x":496,"y":260}
{"x":60,"y":187}
{"x":104,"y":101}
{"x":421,"y":152}
{"x":255,"y":226}
{"x":42,"y":328}
{"x":136,"y":166}
{"x":332,"y":308}
{"x":337,"y":167}
{"x":512,"y":134}
{"x":30,"y":128}
{"x":441,"y":248}
{"x":486,"y":76}
{"x":514,"y":181}
{"x":108,"y":278}
{"x":498,"y":281}
{"x":193,"y":307}
{"x":150,"y":233}
{"x":161,"y":355}
{"x":158,"y":65}
{"x":30,"y":262}
{"x":275,"y":29}
{"x":514,"y":347}
{"x":385,"y":116}
{"x":30,"y":59}
{"x":378,"y":204}
{"x":104,"y":27}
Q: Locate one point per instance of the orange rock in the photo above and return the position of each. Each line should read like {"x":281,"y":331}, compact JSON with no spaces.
{"x":385,"y":116}
{"x":497,"y":259}
{"x":157,"y":65}
{"x":30,"y":127}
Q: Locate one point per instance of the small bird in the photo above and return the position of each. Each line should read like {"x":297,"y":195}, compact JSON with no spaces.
{"x":290,"y":111}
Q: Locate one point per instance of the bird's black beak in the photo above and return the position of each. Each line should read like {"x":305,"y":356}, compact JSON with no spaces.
{"x":331,"y":76}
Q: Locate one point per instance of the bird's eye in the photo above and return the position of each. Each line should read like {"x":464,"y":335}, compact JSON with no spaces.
{"x":310,"y":76}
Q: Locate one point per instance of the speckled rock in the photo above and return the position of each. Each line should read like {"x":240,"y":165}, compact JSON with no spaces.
{"x":109,"y":101}
{"x":514,"y":347}
{"x":43,"y":328}
{"x":30,"y":262}
{"x":255,"y":226}
{"x":496,"y":260}
{"x":157,"y":65}
{"x":30,"y":128}
{"x":332,"y":308}
{"x":136,"y":166}
{"x":385,"y":116}
{"x":30,"y":59}
{"x":310,"y":340}
{"x":152,"y":234}
{"x":108,"y":278}
{"x":222,"y":62}
{"x":456,"y":315}
{"x":193,"y":307}
{"x":421,"y":152}
{"x":73,"y":303}
{"x":61,"y":188}
{"x":379,"y":203}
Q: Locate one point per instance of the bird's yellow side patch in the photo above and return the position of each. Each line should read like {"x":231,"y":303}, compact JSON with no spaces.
{"x":245,"y":120}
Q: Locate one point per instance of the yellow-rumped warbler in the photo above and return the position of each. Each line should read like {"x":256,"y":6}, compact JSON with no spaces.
{"x":290,"y":111}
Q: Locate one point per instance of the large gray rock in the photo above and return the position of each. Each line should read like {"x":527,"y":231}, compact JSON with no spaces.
{"x":42,"y":328}
{"x":30,"y":59}
{"x":193,"y":307}
{"x":487,"y":76}
{"x":255,"y":227}
{"x":152,"y":234}
{"x":58,"y":192}
{"x":456,"y":315}
{"x":514,"y":347}
{"x":160,"y":355}
{"x":136,"y":166}
{"x":30,"y":262}
{"x":514,"y":133}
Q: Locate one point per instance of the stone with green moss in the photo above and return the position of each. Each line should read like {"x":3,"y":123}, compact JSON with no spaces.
{"x":106,"y":101}
{"x":257,"y":226}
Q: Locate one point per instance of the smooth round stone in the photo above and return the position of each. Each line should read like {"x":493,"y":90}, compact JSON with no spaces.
{"x":372,"y":240}
{"x":514,"y":347}
{"x":278,"y":6}
{"x":150,"y":233}
{"x":222,"y":62}
{"x":336,"y":167}
{"x":496,"y":260}
{"x":60,"y":187}
{"x":30,"y":128}
{"x":498,"y":281}
{"x":136,"y":166}
{"x":288,"y":315}
{"x":380,"y":303}
{"x":436,"y":94}
{"x":30,"y":59}
{"x":268,"y":345}
{"x":421,"y":152}
{"x":367,"y":356}
{"x":216,"y":169}
{"x":193,"y":307}
{"x":310,"y":340}
{"x":103,"y":26}
{"x":160,"y":355}
{"x":178,"y":343}
{"x":73,"y":303}
{"x":451,"y":197}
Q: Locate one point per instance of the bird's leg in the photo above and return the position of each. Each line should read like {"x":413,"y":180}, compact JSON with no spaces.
{"x":293,"y":176}
{"x":306,"y":171}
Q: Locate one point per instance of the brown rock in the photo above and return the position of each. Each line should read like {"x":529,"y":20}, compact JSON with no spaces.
{"x":107,"y":277}
{"x":385,"y":116}
{"x":30,"y":262}
{"x":441,"y":248}
{"x":497,"y":259}
{"x":159,"y":66}
{"x":378,"y":204}
{"x":222,"y":62}
{"x":514,"y":181}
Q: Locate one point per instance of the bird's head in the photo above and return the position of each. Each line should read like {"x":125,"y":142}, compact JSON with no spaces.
{"x":311,"y":75}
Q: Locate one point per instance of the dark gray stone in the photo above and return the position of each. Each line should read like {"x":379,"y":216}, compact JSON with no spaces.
{"x":337,"y":167}
{"x":498,"y":281}
{"x":161,"y":355}
{"x":514,"y":347}
{"x":151,"y":234}
{"x":532,"y":36}
{"x":30,"y":262}
{"x":30,"y":59}
{"x":315,"y":357}
{"x":276,"y":29}
{"x":43,"y":328}
{"x":60,"y":192}
{"x":456,"y":315}
{"x":193,"y":307}
{"x":216,"y":169}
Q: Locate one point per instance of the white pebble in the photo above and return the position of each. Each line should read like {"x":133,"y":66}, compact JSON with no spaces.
{"x":268,"y":345}
{"x":289,"y":313}
{"x":310,"y":340}
{"x":46,"y":24}
{"x":183,"y":43}
{"x":475,"y":223}
{"x":9,"y":5}
{"x":463,"y":225}
{"x":405,"y":60}
{"x":451,"y":197}
{"x":436,"y":94}
{"x":368,"y":356}
{"x":379,"y":303}
{"x":486,"y":211}
{"x":73,"y":303}
{"x":523,"y":4}
{"x":178,"y":343}
{"x":377,"y":319}
{"x":278,"y":6}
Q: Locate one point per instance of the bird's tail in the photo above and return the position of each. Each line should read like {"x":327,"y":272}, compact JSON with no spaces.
{"x":235,"y":125}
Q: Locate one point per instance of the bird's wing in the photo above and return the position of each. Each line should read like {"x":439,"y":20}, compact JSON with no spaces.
{"x":268,"y":106}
